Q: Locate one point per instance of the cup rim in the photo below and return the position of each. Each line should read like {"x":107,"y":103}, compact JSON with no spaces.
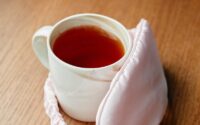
{"x":83,"y":68}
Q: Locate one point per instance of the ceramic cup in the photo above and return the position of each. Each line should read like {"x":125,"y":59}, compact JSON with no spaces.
{"x":79,"y":90}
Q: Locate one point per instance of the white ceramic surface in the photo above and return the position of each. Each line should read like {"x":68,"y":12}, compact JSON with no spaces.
{"x":79,"y":90}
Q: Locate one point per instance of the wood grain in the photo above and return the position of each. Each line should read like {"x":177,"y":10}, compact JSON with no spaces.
{"x":176,"y":26}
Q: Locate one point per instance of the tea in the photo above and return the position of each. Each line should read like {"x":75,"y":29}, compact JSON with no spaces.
{"x":88,"y":47}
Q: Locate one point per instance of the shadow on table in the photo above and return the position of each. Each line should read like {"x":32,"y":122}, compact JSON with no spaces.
{"x":175,"y":98}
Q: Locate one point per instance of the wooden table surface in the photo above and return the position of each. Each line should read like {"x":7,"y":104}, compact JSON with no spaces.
{"x":176,"y":26}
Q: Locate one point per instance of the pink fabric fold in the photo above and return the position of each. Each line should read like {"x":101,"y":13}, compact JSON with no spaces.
{"x":138,"y":93}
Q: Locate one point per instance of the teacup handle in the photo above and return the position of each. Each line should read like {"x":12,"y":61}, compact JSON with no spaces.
{"x":39,"y":44}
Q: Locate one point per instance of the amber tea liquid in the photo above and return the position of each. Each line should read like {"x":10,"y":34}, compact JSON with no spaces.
{"x":88,"y":47}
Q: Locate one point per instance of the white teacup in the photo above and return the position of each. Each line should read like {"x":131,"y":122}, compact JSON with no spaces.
{"x":79,"y":90}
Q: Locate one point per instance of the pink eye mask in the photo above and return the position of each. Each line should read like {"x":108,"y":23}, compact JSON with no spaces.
{"x":138,"y":92}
